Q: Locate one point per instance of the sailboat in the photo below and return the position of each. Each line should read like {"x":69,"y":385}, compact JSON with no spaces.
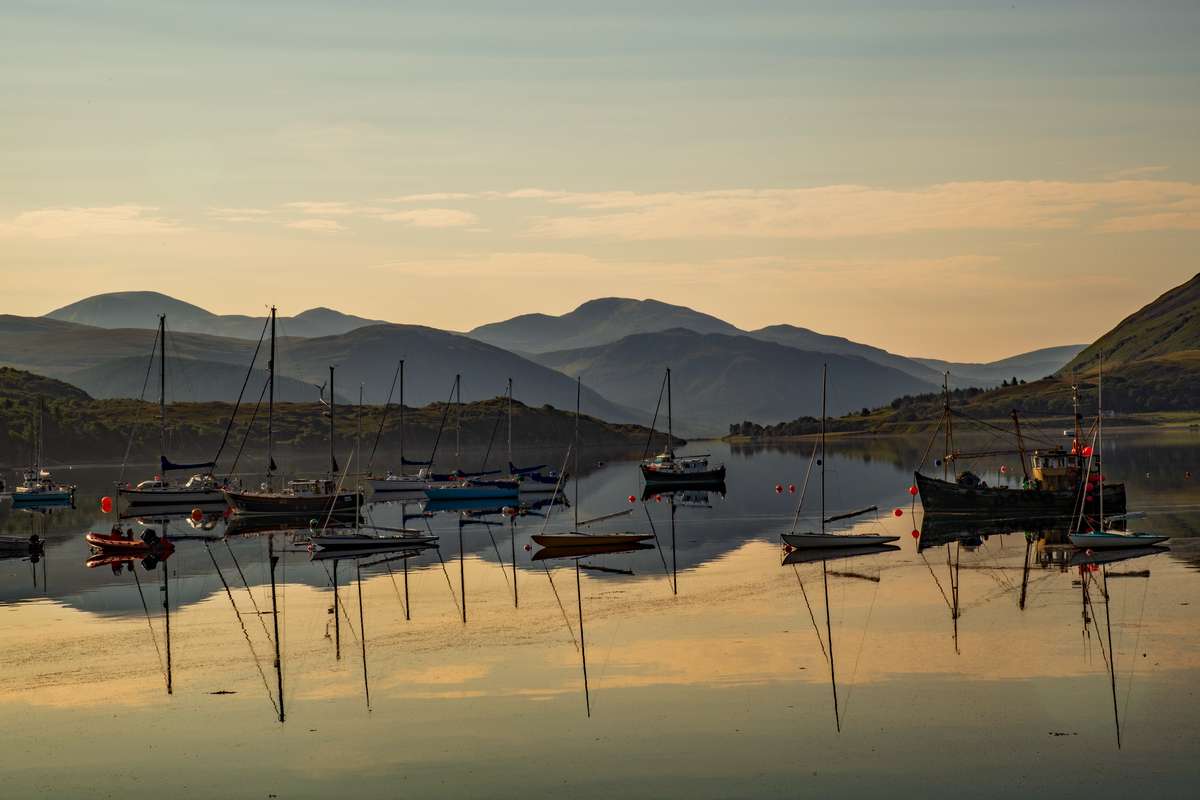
{"x":200,"y":488}
{"x":576,"y":538}
{"x":37,"y":486}
{"x":400,"y":481}
{"x":478,"y":486}
{"x":667,"y":467}
{"x":308,"y":496}
{"x":1108,"y":538}
{"x":820,"y":539}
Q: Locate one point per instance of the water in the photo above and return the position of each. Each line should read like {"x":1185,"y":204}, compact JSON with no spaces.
{"x":707,"y":661}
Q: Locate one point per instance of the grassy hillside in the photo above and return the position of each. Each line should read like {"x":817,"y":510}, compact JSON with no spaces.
{"x":80,"y":428}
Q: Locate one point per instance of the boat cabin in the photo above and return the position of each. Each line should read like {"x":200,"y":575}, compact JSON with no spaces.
{"x":667,"y":462}
{"x":312,"y":487}
{"x":1056,"y":470}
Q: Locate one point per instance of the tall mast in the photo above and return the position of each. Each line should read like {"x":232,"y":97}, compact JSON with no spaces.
{"x":578,"y":392}
{"x":333,"y":468}
{"x":271,"y":404}
{"x":824,"y":374}
{"x":167,"y":616}
{"x":510,"y":461}
{"x":670,"y":432}
{"x":949,"y":448}
{"x":1020,"y":444}
{"x":273,"y":560}
{"x":457,"y":420}
{"x":402,"y":416}
{"x":1100,"y":441}
{"x":162,"y":387}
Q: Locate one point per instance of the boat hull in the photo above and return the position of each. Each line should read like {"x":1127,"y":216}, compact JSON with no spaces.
{"x":658,"y":477}
{"x":359,"y":542}
{"x":387,"y":485}
{"x":53,"y":498}
{"x":172,"y":497}
{"x":114,"y":543}
{"x":823,"y":541}
{"x":290,"y":504}
{"x":451,"y":493}
{"x":939,"y":496}
{"x":1115,"y":541}
{"x":812,"y":555}
{"x":562,"y":541}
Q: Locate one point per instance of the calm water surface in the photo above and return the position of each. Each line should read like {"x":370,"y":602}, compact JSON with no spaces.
{"x":963,"y":666}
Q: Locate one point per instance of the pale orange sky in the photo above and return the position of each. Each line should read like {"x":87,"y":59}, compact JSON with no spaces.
{"x":964,"y":186}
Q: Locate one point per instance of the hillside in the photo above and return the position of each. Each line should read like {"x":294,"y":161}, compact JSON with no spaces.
{"x":80,"y":428}
{"x":596,"y":322}
{"x":719,"y":379}
{"x":141,"y":310}
{"x":112,"y":363}
{"x":1030,"y":366}
{"x":805,"y":339}
{"x":1169,"y":325}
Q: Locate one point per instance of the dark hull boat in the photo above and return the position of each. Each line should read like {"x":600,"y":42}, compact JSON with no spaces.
{"x":660,"y":476}
{"x":282,"y":503}
{"x":939,"y":496}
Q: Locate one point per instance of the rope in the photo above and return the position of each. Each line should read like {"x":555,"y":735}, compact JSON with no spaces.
{"x":653,"y":422}
{"x":238,"y":404}
{"x":383,"y":417}
{"x":246,"y":583}
{"x":141,"y":398}
{"x":245,"y":633}
{"x":249,"y":427}
{"x":150,"y":625}
{"x":566,"y":619}
{"x":811,"y":616}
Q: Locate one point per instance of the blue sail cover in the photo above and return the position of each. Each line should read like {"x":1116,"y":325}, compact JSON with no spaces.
{"x":513,"y":469}
{"x":166,"y":466}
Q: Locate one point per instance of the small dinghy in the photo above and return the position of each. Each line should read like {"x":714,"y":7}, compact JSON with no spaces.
{"x":577,"y":539}
{"x":823,"y":541}
{"x":1108,"y":540}
{"x":127,"y":542}
{"x":815,"y":554}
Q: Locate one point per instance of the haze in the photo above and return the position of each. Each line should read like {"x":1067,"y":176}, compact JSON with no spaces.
{"x":964,"y":182}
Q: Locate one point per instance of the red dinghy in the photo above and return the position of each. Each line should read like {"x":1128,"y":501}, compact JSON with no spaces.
{"x":126,"y":542}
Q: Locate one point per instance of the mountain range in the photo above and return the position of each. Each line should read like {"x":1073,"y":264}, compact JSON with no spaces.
{"x":618,"y":347}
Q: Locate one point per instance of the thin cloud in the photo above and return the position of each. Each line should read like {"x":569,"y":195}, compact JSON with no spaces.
{"x":317,"y":225}
{"x":432,"y":218}
{"x":75,"y":222}
{"x":431,"y":197}
{"x":239,"y":214}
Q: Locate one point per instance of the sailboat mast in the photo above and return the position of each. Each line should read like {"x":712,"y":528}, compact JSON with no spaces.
{"x":402,"y":416}
{"x":670,"y":422}
{"x":273,"y":560}
{"x":332,"y":460}
{"x":457,"y":421}
{"x":824,"y":374}
{"x":162,"y":387}
{"x":578,"y":392}
{"x":271,"y":404}
{"x":510,"y":399}
{"x":1100,"y":437}
{"x":167,"y":618}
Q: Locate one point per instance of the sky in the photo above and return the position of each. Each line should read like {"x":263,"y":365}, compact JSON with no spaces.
{"x":961,"y":180}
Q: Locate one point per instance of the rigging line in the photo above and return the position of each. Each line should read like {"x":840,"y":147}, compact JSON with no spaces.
{"x":441,"y":425}
{"x":141,"y":398}
{"x":338,"y":489}
{"x":653,"y":422}
{"x":249,"y":427}
{"x":929,"y":447}
{"x":341,"y":605}
{"x":561,"y":608}
{"x":446,"y":572}
{"x":503,"y":565}
{"x":245,"y":632}
{"x":238,"y":404}
{"x":861,"y":646}
{"x":149,"y":623}
{"x":246,"y":583}
{"x":383,"y":416}
{"x":1136,"y":644}
{"x":562,"y":474}
{"x":492,"y":439}
{"x":811,"y":615}
{"x":392,"y":575}
{"x":804,"y":488}
{"x":658,"y":547}
{"x":362,"y":625}
{"x":936,"y":581}
{"x":1004,"y":431}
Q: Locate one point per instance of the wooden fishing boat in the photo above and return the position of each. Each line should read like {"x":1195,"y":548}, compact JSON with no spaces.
{"x":820,"y":540}
{"x":667,"y":468}
{"x":1110,"y":540}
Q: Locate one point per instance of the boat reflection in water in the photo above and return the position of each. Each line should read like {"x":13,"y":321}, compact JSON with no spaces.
{"x":823,"y":556}
{"x":578,"y":554}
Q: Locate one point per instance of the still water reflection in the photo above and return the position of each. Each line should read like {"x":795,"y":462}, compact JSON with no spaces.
{"x":705,"y":664}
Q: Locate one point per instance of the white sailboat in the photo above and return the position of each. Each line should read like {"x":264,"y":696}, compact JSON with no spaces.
{"x":1108,"y":538}
{"x":399,"y":481}
{"x":820,"y":539}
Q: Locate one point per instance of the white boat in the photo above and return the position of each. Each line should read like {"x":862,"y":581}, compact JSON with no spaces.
{"x":803,"y":541}
{"x":366,"y":542}
{"x":1107,"y":540}
{"x":820,"y":540}
{"x":402,"y":481}
{"x":398,"y":483}
{"x":37,"y":486}
{"x":574,"y":539}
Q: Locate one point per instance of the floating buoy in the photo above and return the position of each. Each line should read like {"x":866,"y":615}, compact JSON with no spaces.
{"x":779,"y":488}
{"x":658,"y":498}
{"x":899,"y":512}
{"x":528,"y":547}
{"x":916,"y":534}
{"x":937,"y":462}
{"x":1187,"y":474}
{"x":197,"y":515}
{"x":1003,"y":469}
{"x":913,"y":490}
{"x":787,"y":548}
{"x":791,"y":488}
{"x":106,"y":504}
{"x":1087,"y":452}
{"x":820,"y":461}
{"x":632,"y":499}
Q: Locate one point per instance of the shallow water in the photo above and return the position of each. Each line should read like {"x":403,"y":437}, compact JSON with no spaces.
{"x":977,"y":667}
